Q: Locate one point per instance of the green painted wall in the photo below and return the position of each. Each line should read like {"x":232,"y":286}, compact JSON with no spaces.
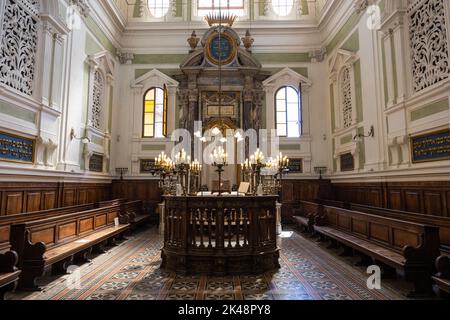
{"x":158,"y":58}
{"x":91,"y":46}
{"x":383,"y":57}
{"x":295,"y":147}
{"x":352,"y":43}
{"x":333,"y":116}
{"x":343,"y":32}
{"x":136,"y":9}
{"x":305,"y":8}
{"x":100,"y":35}
{"x":358,"y":91}
{"x":346,"y":139}
{"x":362,"y":150}
{"x":17,"y":112}
{"x":153,"y":147}
{"x":282,"y":57}
{"x":429,"y":110}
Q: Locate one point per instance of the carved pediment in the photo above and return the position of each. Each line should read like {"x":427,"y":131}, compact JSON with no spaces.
{"x":154,"y":77}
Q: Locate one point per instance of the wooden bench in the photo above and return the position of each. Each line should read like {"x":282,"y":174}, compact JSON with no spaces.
{"x":9,"y":274}
{"x":305,"y":215}
{"x":57,"y":241}
{"x":403,"y":245}
{"x":442,"y":278}
{"x":136,"y":213}
{"x":442,"y":222}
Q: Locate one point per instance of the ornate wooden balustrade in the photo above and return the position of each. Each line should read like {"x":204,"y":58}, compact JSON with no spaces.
{"x":220,"y":235}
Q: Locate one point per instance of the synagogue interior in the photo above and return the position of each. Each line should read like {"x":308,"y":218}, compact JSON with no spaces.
{"x":224,"y":150}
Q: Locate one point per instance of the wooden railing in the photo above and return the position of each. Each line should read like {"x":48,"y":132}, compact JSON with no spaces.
{"x":212,"y":234}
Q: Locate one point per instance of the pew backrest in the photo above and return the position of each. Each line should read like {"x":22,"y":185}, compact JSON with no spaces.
{"x":442,"y":222}
{"x":58,"y":230}
{"x":392,"y":233}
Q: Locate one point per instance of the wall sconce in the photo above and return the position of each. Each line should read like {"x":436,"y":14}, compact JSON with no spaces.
{"x":84,"y":140}
{"x":360,"y":136}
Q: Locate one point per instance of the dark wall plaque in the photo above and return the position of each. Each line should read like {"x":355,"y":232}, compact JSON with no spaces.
{"x":431,"y":147}
{"x":16,"y":149}
{"x":148,"y":165}
{"x":295,"y":166}
{"x":347,"y":162}
{"x":96,"y":163}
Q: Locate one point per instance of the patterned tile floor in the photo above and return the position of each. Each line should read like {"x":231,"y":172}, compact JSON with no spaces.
{"x":131,"y":271}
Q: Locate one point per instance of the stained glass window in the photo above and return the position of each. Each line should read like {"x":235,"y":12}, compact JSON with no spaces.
{"x":155,"y":113}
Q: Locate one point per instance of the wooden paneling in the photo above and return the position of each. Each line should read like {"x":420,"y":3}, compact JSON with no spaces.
{"x":86,"y":225}
{"x":100,"y":220}
{"x":13,"y":202}
{"x":395,"y":199}
{"x":46,"y":236}
{"x":20,"y":197}
{"x":412,"y":201}
{"x":33,"y":201}
{"x":433,"y":203}
{"x":49,"y":200}
{"x":67,"y":230}
{"x":432,"y":198}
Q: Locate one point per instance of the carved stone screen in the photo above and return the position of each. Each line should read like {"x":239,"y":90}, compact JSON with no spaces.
{"x":18,"y":44}
{"x":429,"y":43}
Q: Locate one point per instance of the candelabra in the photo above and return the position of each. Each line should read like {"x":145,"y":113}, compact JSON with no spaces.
{"x":282,"y":163}
{"x":195,"y":171}
{"x":255,"y":164}
{"x":166,"y":169}
{"x":121,"y":171}
{"x":219,"y":160}
{"x":320,"y":171}
{"x":182,"y":166}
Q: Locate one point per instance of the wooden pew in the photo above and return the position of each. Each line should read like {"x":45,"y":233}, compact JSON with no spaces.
{"x":403,"y":245}
{"x":133,"y":209}
{"x":136,"y":213}
{"x":442,"y":222}
{"x":305,"y":214}
{"x":442,"y":278}
{"x":56,"y":241}
{"x":9,"y":274}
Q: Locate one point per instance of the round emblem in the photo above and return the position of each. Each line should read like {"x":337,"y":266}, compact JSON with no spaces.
{"x":220,"y":49}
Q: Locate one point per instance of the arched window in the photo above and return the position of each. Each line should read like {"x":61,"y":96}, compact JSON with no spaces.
{"x":155,"y":113}
{"x":288,"y":112}
{"x":158,"y":8}
{"x":282,"y":8}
